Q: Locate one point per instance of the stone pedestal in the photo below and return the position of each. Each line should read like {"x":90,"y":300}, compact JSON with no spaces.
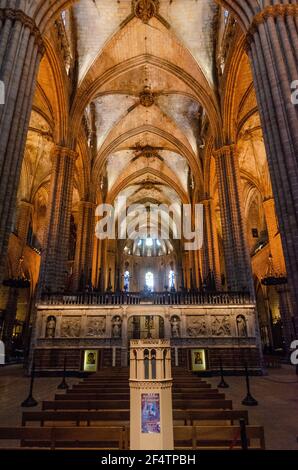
{"x":151,"y":411}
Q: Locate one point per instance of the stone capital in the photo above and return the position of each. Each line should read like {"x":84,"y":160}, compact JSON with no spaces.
{"x":268,"y":201}
{"x":24,"y":203}
{"x":59,"y":151}
{"x":87,"y":205}
{"x":28,"y":22}
{"x":271,"y":11}
{"x":207,"y":201}
{"x":224,"y":150}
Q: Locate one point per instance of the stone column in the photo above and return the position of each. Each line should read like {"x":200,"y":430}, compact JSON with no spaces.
{"x":211,"y":260}
{"x":278,"y":265}
{"x":9,"y":319}
{"x":273,"y":52}
{"x":289,"y":329}
{"x":237,"y":259}
{"x":56,"y":240}
{"x":25,"y":210}
{"x":273,"y":237}
{"x":85,"y":242}
{"x":21,"y":49}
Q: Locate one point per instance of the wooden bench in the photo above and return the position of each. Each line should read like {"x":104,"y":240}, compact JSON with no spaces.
{"x":68,"y":437}
{"x":86,"y":405}
{"x":92,"y":396}
{"x":203,"y":404}
{"x":188,"y":389}
{"x":88,"y":417}
{"x":198,"y":386}
{"x":99,"y":396}
{"x":125,"y":404}
{"x":217,"y":437}
{"x":102,"y":386}
{"x":77,"y":417}
{"x":191,"y":416}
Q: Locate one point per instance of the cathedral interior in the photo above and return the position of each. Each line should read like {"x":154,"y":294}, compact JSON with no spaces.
{"x":160,"y":102}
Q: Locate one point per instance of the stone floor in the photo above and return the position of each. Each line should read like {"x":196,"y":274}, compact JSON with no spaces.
{"x":277,"y":394}
{"x":277,"y":411}
{"x":14,"y":388}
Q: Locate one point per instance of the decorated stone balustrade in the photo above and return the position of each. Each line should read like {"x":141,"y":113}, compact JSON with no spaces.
{"x":155,"y":298}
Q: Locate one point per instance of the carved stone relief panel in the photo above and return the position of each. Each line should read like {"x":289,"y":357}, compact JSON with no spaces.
{"x":197,"y":326}
{"x":221,"y":325}
{"x":70,"y":327}
{"x":96,"y":326}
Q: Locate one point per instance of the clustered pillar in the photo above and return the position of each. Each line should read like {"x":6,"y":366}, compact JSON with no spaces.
{"x":53,"y":275}
{"x":238,"y":266}
{"x":84,"y":247}
{"x":25,"y":210}
{"x":277,"y":263}
{"x":211,"y":262}
{"x":273,"y":52}
{"x":21,"y":49}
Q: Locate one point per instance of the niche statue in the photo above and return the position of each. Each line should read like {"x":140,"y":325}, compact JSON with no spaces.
{"x":175,"y":325}
{"x":51,"y":327}
{"x":241,"y":326}
{"x":116,"y":327}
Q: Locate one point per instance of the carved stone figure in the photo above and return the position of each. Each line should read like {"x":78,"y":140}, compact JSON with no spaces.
{"x":51,"y":327}
{"x":145,"y":9}
{"x":241,"y":326}
{"x":196,"y":327}
{"x":147,"y":97}
{"x":70,"y":328}
{"x":116,"y":327}
{"x":175,"y":327}
{"x":221,"y":326}
{"x":96,"y":327}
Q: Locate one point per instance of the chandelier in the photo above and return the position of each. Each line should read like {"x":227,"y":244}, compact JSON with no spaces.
{"x":273,"y":278}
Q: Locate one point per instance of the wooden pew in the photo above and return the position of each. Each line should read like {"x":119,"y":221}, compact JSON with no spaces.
{"x":125,"y":404}
{"x":86,"y":405}
{"x":121,"y":397}
{"x":88,"y":417}
{"x":203,"y":404}
{"x":76,"y":418}
{"x":190,"y":417}
{"x":92,"y":396}
{"x":198,"y":386}
{"x":103,"y":386}
{"x":217,"y":437}
{"x":68,"y":437}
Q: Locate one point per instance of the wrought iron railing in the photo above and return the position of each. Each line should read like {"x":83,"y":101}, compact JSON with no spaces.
{"x":155,"y":298}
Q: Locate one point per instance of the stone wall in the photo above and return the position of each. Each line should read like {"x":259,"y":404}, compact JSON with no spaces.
{"x":228,"y":333}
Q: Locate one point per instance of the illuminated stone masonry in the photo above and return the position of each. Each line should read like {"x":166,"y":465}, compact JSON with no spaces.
{"x":227,"y":333}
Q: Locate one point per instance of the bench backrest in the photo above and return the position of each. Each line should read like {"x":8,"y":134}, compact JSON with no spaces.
{"x":53,"y":437}
{"x":217,"y":436}
{"x":203,"y":404}
{"x":189,"y":416}
{"x":85,"y":405}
